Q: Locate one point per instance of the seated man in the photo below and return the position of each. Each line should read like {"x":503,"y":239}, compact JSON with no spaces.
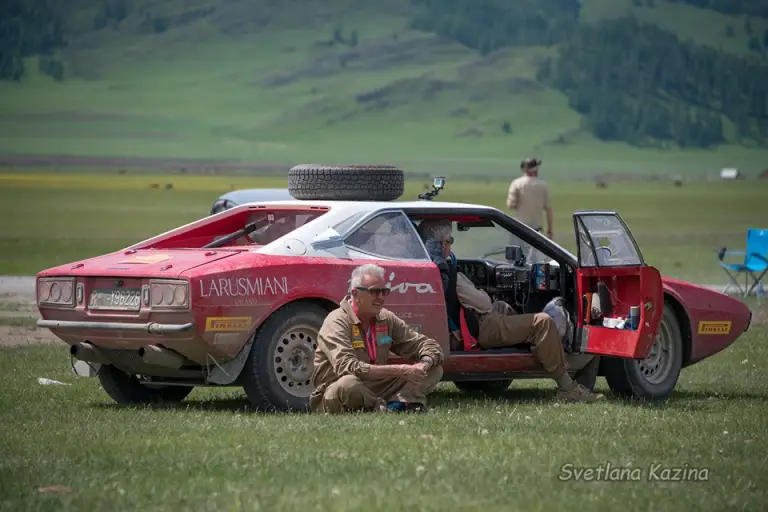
{"x":350,"y":369}
{"x":496,"y":324}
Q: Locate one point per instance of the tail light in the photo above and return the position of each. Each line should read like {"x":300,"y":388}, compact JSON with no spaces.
{"x":56,"y":291}
{"x":168,"y":294}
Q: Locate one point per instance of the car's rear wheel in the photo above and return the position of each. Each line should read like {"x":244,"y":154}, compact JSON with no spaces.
{"x":655,"y":377}
{"x":346,"y":182}
{"x":126,"y":389}
{"x":278,"y":373}
{"x":483,"y":387}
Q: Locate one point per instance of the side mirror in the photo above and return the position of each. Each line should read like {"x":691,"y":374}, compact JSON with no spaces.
{"x":514,"y":253}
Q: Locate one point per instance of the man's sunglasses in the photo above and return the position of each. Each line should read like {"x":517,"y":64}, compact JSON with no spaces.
{"x":374,"y":291}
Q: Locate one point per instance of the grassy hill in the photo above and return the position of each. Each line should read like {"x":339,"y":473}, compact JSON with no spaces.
{"x":265,"y":81}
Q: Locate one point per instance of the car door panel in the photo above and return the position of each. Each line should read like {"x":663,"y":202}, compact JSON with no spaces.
{"x":613,"y":274}
{"x":390,"y":241}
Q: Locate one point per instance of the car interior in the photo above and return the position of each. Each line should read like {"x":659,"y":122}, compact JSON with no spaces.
{"x":513,"y":272}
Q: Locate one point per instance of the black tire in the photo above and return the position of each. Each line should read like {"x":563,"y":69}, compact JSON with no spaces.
{"x":587,"y":376}
{"x":483,"y":387}
{"x":271,"y":370}
{"x":125,"y":389}
{"x":346,"y":182}
{"x":655,"y":377}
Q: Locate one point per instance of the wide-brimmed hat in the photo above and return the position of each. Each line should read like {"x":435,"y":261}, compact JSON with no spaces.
{"x":528,"y":163}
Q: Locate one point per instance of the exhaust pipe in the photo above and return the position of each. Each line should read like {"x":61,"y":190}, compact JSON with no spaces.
{"x":158,"y":356}
{"x":85,"y":351}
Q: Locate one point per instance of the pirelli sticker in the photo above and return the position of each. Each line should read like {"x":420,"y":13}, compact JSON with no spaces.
{"x":717,"y":327}
{"x":228,"y":324}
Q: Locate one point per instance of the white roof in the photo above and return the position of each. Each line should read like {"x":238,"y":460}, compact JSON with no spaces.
{"x":370,"y":206}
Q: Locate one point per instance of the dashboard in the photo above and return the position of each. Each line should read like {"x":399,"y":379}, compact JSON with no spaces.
{"x":512,"y":283}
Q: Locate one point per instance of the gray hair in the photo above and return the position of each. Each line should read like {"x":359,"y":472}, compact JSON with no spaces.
{"x":435,"y":229}
{"x":369,"y":269}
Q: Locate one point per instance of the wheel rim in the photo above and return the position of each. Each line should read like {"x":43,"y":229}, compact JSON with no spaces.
{"x":657,"y":366}
{"x":293,"y":359}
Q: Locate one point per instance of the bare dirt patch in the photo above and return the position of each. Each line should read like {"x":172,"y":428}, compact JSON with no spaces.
{"x":18,"y":314}
{"x":20,"y":336}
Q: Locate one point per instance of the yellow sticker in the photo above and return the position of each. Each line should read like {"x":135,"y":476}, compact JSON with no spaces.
{"x":147,"y":258}
{"x":720,"y":327}
{"x":358,"y":344}
{"x":355,"y":330}
{"x":228,"y":324}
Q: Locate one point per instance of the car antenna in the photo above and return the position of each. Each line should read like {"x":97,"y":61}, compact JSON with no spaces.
{"x":437,"y":185}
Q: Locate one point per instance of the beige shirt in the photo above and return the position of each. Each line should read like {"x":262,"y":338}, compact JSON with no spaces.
{"x":471,"y":297}
{"x":529,"y":196}
{"x":341,"y":347}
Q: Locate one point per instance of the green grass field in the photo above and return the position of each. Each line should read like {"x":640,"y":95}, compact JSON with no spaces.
{"x":232,"y":87}
{"x":50,"y":219}
{"x":214,"y":453}
{"x":70,"y":447}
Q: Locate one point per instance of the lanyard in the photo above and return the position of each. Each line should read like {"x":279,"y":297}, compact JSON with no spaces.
{"x":370,"y":338}
{"x":370,"y":342}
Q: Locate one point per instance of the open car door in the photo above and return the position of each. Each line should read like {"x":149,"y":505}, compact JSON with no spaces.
{"x":614,"y":281}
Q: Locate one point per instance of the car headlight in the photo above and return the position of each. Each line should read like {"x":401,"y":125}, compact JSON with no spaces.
{"x":56,"y":291}
{"x":168,"y":294}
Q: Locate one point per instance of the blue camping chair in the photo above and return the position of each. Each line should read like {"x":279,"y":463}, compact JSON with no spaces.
{"x":755,"y":264}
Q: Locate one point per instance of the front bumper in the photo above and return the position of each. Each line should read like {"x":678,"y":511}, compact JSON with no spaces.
{"x":150,"y":327}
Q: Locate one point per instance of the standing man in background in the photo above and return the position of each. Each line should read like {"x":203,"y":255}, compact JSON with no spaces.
{"x":528,"y":196}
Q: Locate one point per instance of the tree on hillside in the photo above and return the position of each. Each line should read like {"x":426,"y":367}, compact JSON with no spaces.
{"x":27,"y":28}
{"x":638,"y":83}
{"x":488,"y":25}
{"x":731,"y":7}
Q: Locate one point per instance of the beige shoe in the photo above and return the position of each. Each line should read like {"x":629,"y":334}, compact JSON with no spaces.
{"x":579,"y":394}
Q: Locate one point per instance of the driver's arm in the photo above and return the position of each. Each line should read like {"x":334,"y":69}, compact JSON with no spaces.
{"x":471,"y":297}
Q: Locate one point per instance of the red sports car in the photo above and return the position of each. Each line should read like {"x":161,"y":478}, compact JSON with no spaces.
{"x":237,"y":298}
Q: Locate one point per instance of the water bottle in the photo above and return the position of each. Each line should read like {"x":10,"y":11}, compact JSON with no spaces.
{"x":634,"y":317}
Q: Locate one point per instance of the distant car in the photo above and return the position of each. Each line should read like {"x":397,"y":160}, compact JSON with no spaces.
{"x":249,"y":195}
{"x":237,"y":298}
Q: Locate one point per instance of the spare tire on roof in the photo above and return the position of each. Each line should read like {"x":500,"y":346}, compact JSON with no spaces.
{"x":346,"y":182}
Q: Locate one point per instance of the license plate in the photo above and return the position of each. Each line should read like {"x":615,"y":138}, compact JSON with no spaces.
{"x":116,"y":298}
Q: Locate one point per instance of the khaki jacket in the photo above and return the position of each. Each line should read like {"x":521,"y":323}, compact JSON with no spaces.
{"x":341,"y":347}
{"x":529,"y":197}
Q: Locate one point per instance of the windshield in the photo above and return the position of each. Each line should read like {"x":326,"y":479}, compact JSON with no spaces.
{"x":489,"y":242}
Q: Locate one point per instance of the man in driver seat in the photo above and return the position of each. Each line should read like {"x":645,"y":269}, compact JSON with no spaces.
{"x":494,"y":324}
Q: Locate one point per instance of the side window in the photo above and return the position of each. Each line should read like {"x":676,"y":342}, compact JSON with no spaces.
{"x":612,"y":245}
{"x":389,"y":235}
{"x":218,"y":206}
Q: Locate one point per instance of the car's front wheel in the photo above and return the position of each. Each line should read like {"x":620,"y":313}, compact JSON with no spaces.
{"x":125,"y":389}
{"x":277,"y":375}
{"x":655,"y":377}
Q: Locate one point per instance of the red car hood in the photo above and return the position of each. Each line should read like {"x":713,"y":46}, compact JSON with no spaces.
{"x":141,"y":263}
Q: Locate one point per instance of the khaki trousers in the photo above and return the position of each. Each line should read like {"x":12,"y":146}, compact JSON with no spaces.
{"x":498,"y":330}
{"x":349,"y":393}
